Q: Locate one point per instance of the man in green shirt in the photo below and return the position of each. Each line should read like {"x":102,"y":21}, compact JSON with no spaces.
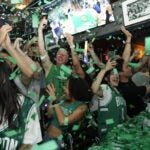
{"x":54,"y":73}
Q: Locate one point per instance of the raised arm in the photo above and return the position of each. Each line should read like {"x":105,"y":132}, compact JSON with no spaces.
{"x":25,"y":66}
{"x":63,"y":119}
{"x":75,"y":60}
{"x":29,"y":43}
{"x":17,"y":48}
{"x":3,"y":32}
{"x":94,"y":56}
{"x":127,"y":50}
{"x":47,"y":64}
{"x":77,"y":114}
{"x":96,"y":83}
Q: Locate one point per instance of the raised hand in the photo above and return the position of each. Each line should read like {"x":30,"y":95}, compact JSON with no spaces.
{"x":51,"y":91}
{"x":110,"y":65}
{"x":43,"y":23}
{"x":126,"y":32}
{"x":90,"y":47}
{"x":69,"y":38}
{"x":4,"y":31}
{"x":16,"y":44}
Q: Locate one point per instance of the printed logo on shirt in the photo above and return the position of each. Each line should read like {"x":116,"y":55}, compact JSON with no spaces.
{"x":8,"y":144}
{"x":120,"y":101}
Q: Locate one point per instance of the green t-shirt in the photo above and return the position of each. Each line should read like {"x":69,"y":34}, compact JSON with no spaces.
{"x":59,"y":78}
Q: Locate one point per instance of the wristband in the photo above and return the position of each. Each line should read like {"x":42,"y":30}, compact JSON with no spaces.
{"x":127,"y":42}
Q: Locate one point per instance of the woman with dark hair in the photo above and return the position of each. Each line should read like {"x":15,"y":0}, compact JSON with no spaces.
{"x":19,"y":122}
{"x":70,"y":110}
{"x":17,"y":127}
{"x":108,"y":103}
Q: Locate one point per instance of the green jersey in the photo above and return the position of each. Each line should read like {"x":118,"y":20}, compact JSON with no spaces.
{"x":29,"y":131}
{"x":59,"y":78}
{"x":67,"y":110}
{"x":111,"y":111}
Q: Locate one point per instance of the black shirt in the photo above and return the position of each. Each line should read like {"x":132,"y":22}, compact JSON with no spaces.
{"x":133,"y":95}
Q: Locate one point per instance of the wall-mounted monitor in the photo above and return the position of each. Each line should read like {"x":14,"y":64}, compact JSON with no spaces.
{"x":75,"y":16}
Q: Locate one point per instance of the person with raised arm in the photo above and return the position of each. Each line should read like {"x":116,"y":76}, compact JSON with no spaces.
{"x":21,"y":61}
{"x":108,"y":104}
{"x":69,"y":111}
{"x":132,"y":94}
{"x":94,"y":56}
{"x":53,"y":73}
{"x":19,"y":122}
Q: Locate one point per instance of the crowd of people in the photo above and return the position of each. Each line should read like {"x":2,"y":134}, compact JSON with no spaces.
{"x":78,"y":113}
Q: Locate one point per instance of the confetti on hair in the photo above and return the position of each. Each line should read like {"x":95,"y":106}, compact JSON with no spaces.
{"x":115,"y":71}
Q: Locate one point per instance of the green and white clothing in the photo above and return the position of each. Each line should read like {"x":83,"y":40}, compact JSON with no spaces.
{"x":67,"y":110}
{"x":59,"y":78}
{"x":111,"y":109}
{"x":29,"y":131}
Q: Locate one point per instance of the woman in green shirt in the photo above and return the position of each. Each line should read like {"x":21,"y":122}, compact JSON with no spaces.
{"x":108,"y":103}
{"x":71,"y":109}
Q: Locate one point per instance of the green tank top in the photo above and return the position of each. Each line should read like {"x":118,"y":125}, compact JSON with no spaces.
{"x":59,"y":78}
{"x":67,"y":110}
{"x":11,"y":139}
{"x":111,"y":114}
{"x":84,"y":21}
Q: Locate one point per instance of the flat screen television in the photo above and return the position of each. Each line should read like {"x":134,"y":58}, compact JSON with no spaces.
{"x":76,"y":16}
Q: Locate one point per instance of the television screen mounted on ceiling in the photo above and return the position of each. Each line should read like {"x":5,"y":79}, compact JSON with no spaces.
{"x":75,"y":16}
